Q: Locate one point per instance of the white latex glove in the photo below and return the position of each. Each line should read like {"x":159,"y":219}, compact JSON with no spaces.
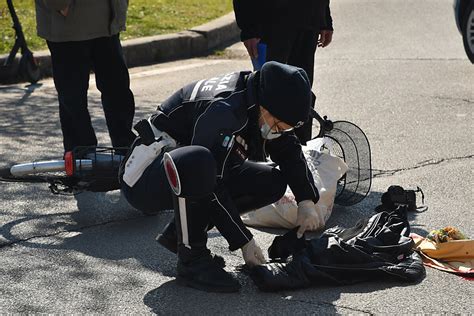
{"x":252,"y":254}
{"x":308,"y":218}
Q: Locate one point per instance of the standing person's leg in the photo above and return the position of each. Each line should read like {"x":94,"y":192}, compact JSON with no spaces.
{"x":302,"y":55}
{"x":113,"y":81}
{"x":279,"y":45}
{"x":71,"y":62}
{"x":303,"y":52}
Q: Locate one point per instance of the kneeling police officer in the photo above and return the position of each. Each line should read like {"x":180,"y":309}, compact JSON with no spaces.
{"x":199,"y":154}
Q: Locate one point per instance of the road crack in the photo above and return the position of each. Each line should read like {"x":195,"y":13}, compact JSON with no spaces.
{"x":76,"y":229}
{"x":452,"y":99}
{"x":319,"y":303}
{"x":377,"y":173}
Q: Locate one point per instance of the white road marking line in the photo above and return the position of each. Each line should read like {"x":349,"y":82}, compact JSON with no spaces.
{"x":48,"y":83}
{"x":159,"y":71}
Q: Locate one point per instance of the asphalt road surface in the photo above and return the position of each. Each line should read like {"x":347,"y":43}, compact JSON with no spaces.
{"x":396,"y":68}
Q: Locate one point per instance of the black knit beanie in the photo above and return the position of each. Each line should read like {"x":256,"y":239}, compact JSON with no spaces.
{"x":285,"y":92}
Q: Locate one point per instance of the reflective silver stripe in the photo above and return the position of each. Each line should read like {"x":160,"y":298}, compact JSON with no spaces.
{"x":184,"y":221}
{"x":195,"y":90}
{"x":230,"y":216}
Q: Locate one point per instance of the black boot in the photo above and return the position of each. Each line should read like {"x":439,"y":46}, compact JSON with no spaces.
{"x":198,"y":269}
{"x":169,"y":239}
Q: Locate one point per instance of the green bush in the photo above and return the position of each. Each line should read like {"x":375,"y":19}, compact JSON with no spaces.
{"x":145,"y":17}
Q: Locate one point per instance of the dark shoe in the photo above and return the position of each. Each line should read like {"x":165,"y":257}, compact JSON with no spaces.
{"x":169,"y":238}
{"x":203,"y":273}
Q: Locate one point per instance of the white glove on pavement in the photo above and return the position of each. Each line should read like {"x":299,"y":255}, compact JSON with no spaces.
{"x":252,"y":254}
{"x":308,"y":218}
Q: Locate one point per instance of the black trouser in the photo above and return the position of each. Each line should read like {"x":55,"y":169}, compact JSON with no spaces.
{"x":72,"y":63}
{"x":296,"y":48}
{"x":250,"y":186}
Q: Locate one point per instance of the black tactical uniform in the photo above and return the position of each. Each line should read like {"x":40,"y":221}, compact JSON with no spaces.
{"x":221,"y":114}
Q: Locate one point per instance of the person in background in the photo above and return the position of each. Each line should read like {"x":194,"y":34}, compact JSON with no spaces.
{"x":291,"y":31}
{"x":83,"y":36}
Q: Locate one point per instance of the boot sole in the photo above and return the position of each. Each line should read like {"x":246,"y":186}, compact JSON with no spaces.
{"x":207,"y":288}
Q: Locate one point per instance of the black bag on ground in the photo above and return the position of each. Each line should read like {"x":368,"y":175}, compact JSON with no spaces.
{"x":396,"y":196}
{"x":377,"y":248}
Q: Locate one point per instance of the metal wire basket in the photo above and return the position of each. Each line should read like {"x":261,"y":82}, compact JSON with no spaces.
{"x":102,"y":175}
{"x":350,"y":143}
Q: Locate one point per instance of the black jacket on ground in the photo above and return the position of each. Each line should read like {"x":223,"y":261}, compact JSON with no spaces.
{"x":259,"y":17}
{"x":375,"y":249}
{"x":221,"y":114}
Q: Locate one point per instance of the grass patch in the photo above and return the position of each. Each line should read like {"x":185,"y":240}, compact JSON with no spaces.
{"x":145,"y":17}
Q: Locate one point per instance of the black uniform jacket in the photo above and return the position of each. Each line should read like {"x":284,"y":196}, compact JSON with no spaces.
{"x":221,"y":114}
{"x":256,"y":18}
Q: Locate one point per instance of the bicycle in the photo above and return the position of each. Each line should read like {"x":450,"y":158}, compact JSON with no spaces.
{"x":95,"y":169}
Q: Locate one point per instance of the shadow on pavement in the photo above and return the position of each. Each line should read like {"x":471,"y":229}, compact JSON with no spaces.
{"x":29,"y":120}
{"x":100,"y":228}
{"x":173,"y":299}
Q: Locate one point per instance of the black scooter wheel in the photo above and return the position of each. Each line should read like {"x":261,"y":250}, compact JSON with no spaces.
{"x":5,"y":173}
{"x":29,"y":68}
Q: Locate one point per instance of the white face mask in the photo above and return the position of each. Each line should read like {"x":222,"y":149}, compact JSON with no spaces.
{"x":267,"y":132}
